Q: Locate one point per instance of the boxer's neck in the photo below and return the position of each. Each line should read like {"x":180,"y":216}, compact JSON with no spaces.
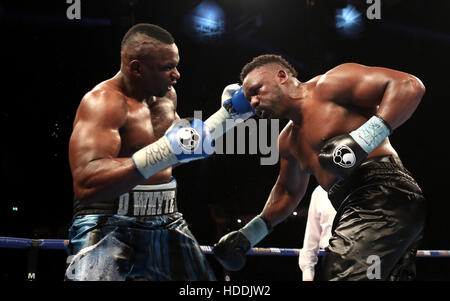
{"x":131,"y":89}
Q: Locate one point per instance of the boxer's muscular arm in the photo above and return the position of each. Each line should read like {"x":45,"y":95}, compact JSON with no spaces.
{"x":287,"y":192}
{"x":94,"y":145}
{"x":396,"y":93}
{"x":290,"y":186}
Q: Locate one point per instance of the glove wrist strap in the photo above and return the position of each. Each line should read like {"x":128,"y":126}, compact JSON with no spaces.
{"x":371,"y":133}
{"x":217,"y":122}
{"x":154,"y":157}
{"x":255,"y":230}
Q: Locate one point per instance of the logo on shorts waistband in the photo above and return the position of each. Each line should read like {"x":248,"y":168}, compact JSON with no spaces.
{"x":148,"y":203}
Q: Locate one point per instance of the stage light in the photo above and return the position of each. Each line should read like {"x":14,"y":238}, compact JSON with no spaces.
{"x":349,"y":21}
{"x":207,"y":21}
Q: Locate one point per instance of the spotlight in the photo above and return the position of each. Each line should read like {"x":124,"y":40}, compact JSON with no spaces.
{"x":349,"y":21}
{"x":206,"y":22}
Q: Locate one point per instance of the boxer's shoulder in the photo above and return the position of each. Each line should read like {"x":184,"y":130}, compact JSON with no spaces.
{"x":106,"y":92}
{"x":339,"y":84}
{"x":104,"y":100}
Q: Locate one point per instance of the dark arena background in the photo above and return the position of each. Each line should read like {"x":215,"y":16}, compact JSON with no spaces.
{"x":51,"y":57}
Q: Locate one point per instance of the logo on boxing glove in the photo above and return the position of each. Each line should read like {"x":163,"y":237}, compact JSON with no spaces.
{"x":344,"y":156}
{"x":188,"y":139}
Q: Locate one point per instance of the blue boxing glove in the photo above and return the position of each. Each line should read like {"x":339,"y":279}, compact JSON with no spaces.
{"x":190,"y":140}
{"x":235,"y":107}
{"x":184,"y":141}
{"x":341,"y":155}
{"x":234,"y":101}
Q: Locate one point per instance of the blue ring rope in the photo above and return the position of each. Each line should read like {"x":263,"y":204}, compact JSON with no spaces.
{"x":61,"y":244}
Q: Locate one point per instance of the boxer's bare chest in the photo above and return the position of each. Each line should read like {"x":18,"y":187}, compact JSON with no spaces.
{"x":320,"y":121}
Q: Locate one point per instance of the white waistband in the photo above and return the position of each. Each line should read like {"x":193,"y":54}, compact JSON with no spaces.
{"x":171,"y":185}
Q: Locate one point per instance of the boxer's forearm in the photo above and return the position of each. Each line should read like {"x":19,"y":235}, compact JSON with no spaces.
{"x":105,"y":179}
{"x":279,"y":205}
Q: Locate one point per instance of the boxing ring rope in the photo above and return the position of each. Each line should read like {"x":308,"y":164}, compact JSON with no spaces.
{"x":61,"y":244}
{"x":34,"y":245}
{"x":296,"y":252}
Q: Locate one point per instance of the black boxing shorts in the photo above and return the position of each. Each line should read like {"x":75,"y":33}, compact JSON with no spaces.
{"x":378,"y":225}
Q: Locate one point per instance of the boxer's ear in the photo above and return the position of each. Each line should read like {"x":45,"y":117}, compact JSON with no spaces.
{"x":282,"y":76}
{"x":136,"y":68}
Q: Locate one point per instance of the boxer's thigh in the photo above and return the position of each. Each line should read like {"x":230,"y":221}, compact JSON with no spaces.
{"x":377,"y":226}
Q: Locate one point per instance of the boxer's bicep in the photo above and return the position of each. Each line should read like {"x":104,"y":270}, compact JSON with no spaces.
{"x":391,"y":94}
{"x":90,"y":142}
{"x":291,"y":180}
{"x":286,"y":194}
{"x":96,"y":130}
{"x":289,"y":188}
